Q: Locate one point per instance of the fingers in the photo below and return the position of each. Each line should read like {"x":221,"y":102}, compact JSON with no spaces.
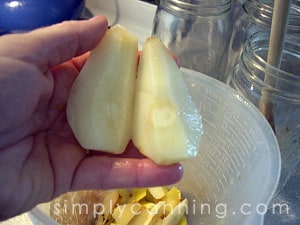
{"x":55,"y":44}
{"x":100,"y":172}
{"x":80,"y":60}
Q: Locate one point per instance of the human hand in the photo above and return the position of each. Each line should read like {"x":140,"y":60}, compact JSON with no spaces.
{"x":39,"y":156}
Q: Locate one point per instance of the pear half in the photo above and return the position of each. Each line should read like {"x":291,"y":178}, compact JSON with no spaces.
{"x":100,"y":104}
{"x":167,"y":124}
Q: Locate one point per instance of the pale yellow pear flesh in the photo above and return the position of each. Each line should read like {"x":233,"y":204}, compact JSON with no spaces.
{"x":167,"y":125}
{"x":177,"y":213}
{"x":100,"y":104}
{"x":114,"y":99}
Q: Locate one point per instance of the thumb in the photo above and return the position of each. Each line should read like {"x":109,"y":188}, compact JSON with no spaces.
{"x":55,"y":44}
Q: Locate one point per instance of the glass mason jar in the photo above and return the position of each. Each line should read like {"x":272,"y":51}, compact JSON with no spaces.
{"x":281,"y":95}
{"x":196,"y":31}
{"x":257,"y":16}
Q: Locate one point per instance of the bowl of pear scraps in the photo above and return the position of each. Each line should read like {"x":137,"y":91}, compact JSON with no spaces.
{"x":229,"y":153}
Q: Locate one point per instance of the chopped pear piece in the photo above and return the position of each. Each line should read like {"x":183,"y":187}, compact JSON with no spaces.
{"x":123,"y":214}
{"x":176,"y":214}
{"x":109,"y":202}
{"x":137,"y":194}
{"x":182,"y":221}
{"x":149,"y":217}
{"x":147,"y":204}
{"x":172,"y":198}
{"x":167,"y":125}
{"x":154,"y":194}
{"x":100,"y":104}
{"x":124,"y":196}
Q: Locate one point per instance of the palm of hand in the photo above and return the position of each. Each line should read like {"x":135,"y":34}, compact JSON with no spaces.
{"x":39,"y":156}
{"x":36,"y":136}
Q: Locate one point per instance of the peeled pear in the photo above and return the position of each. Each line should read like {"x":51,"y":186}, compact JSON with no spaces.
{"x":100,"y":104}
{"x":167,"y":125}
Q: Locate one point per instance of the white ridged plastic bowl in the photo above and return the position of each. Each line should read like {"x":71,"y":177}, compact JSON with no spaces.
{"x":236,"y":172}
